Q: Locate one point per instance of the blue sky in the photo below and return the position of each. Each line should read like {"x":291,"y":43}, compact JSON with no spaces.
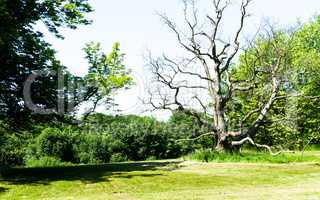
{"x":138,"y":28}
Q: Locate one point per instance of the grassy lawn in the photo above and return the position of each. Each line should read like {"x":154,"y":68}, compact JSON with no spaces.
{"x":165,"y":180}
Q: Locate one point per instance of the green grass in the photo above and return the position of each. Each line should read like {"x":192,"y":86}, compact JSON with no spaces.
{"x":252,"y":157}
{"x":172,"y":180}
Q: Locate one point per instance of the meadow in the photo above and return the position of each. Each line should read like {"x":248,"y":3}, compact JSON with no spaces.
{"x":168,"y":179}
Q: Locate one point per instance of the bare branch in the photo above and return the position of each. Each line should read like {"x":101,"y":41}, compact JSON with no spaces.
{"x":248,"y":139}
{"x":216,"y":21}
{"x":244,"y":5}
{"x":186,"y":72}
{"x":201,"y":104}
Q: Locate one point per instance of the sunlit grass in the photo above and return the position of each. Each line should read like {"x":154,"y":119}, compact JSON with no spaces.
{"x":164,"y":180}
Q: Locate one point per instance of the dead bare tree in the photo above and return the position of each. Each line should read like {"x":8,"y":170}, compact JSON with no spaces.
{"x":204,"y":83}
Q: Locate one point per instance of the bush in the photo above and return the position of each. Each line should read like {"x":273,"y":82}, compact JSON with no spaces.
{"x":93,"y":148}
{"x":45,"y":162}
{"x":118,"y":157}
{"x":31,"y":152}
{"x":151,"y":158}
{"x":12,"y":150}
{"x":54,"y":143}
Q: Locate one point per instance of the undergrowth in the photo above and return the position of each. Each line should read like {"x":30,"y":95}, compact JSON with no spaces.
{"x":250,"y":157}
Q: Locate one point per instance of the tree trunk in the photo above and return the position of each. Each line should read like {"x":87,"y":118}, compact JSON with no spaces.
{"x":224,"y":144}
{"x":220,"y":124}
{"x":220,"y":146}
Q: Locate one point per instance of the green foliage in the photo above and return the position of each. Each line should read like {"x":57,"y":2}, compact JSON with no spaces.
{"x":139,"y":138}
{"x":105,"y":138}
{"x":151,"y":158}
{"x":142,"y":137}
{"x":108,"y":71}
{"x":45,"y":161}
{"x":307,"y":80}
{"x":70,"y":145}
{"x":54,"y":143}
{"x":292,"y":122}
{"x":185,"y":126}
{"x":118,"y":157}
{"x":106,"y":74}
{"x":314,"y":147}
{"x":23,"y":51}
{"x":93,"y":148}
{"x":136,"y":137}
{"x":12,"y":150}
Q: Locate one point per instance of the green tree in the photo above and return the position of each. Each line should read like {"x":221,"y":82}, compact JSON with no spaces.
{"x":293,"y":119}
{"x":106,"y":74}
{"x":25,"y":54}
{"x":24,"y":51}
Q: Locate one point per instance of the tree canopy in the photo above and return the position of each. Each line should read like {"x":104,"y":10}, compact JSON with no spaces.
{"x":32,"y":78}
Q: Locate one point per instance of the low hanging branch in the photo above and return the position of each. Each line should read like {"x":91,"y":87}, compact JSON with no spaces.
{"x":250,"y":140}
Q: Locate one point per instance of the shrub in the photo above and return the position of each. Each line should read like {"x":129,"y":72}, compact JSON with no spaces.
{"x":12,"y":150}
{"x":118,"y":157}
{"x":94,"y":148}
{"x":31,"y":151}
{"x":151,"y":158}
{"x":45,"y":162}
{"x":53,"y":143}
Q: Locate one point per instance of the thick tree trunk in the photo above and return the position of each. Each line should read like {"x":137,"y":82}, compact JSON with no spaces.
{"x":220,"y":146}
{"x":224,"y":144}
{"x":220,"y":124}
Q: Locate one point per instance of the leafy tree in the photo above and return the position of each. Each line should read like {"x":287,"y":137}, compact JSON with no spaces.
{"x":307,"y":62}
{"x":294,"y":120}
{"x":24,"y":51}
{"x":32,"y":79}
{"x":106,"y":74}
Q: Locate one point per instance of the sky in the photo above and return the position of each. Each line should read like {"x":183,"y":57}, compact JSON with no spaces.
{"x":138,"y":28}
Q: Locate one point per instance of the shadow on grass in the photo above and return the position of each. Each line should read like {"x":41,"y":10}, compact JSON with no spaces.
{"x":85,"y":173}
{"x":3,"y":189}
